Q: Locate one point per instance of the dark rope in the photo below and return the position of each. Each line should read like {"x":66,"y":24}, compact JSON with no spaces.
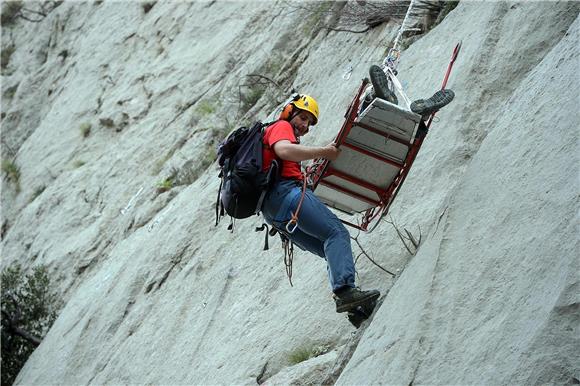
{"x":289,"y":258}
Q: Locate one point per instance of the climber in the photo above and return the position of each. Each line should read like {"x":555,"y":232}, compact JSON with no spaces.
{"x":317,"y":229}
{"x":381,"y":89}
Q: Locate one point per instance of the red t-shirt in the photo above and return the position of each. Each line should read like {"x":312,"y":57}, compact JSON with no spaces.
{"x":279,"y":131}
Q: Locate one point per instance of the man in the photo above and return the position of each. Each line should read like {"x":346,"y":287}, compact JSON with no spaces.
{"x":318,"y":230}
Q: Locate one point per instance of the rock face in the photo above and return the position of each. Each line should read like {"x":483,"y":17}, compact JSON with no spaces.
{"x":156,"y":294}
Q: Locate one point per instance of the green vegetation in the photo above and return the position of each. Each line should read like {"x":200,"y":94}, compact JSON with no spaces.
{"x":78,"y":163}
{"x":304,"y":353}
{"x":12,"y":172}
{"x":29,"y":308}
{"x":206,"y":107}
{"x":300,"y":355}
{"x":10,"y":11}
{"x":5,"y":56}
{"x":165,"y":185}
{"x":85,"y":129}
{"x":169,"y":182}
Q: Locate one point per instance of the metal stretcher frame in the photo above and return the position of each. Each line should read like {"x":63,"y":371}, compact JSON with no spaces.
{"x":321,"y":170}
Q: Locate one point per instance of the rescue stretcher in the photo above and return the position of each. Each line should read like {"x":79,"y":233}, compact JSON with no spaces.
{"x":378,"y":147}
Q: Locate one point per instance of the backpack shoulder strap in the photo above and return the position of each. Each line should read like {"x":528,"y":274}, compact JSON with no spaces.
{"x":264,"y":127}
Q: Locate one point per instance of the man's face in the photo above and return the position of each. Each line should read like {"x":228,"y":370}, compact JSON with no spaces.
{"x":301,"y":123}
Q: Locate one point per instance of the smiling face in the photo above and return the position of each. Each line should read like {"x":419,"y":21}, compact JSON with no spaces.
{"x":302,"y":122}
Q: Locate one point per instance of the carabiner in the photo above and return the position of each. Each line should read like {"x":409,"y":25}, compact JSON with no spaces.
{"x":291,"y":230}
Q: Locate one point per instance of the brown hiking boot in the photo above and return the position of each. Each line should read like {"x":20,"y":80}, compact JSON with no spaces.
{"x":348,"y":298}
{"x":426,"y":107}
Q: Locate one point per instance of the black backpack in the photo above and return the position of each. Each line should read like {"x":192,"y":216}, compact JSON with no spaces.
{"x":243,"y":183}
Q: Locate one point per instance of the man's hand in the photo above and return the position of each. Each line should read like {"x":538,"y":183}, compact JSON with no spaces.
{"x":330,"y":152}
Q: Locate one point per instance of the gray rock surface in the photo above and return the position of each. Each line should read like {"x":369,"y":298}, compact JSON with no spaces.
{"x":155,"y":294}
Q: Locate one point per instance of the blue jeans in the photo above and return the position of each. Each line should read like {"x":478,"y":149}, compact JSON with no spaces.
{"x":319,"y":230}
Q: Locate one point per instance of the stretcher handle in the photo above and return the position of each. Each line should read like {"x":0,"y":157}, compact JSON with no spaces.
{"x":447,"y":73}
{"x":450,"y":66}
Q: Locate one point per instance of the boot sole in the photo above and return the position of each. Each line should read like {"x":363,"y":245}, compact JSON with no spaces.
{"x":381,"y":84}
{"x":353,"y":305}
{"x":426,"y":107}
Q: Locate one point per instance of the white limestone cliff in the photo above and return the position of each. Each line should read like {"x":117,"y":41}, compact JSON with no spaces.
{"x":156,"y":294}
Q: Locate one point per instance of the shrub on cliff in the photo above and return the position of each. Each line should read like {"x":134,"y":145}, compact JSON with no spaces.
{"x":12,"y":172}
{"x":29,"y":307}
{"x":10,"y":11}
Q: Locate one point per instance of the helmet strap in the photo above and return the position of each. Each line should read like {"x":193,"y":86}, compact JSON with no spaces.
{"x":295,"y":112}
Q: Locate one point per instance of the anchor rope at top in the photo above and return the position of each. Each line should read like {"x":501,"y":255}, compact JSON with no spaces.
{"x":392,"y":59}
